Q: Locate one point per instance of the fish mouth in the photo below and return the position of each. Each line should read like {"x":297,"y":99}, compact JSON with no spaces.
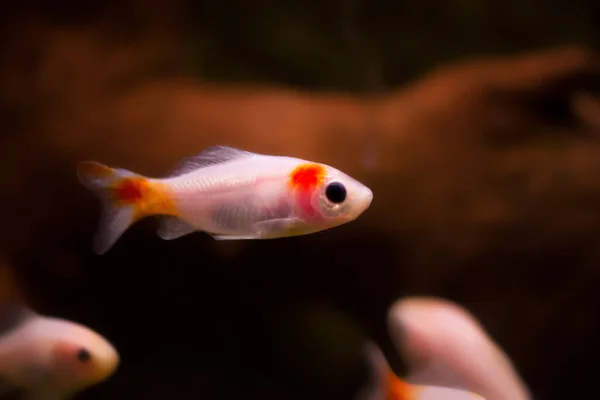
{"x":366,"y":199}
{"x":362,"y":201}
{"x":113,"y":360}
{"x":108,"y":361}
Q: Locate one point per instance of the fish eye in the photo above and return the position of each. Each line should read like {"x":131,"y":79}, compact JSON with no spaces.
{"x":83,"y":355}
{"x":335,"y":192}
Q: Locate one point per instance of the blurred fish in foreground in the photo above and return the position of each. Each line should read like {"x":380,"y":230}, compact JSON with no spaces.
{"x":44,"y":358}
{"x":449,"y":354}
{"x":229,"y":193}
{"x":385,"y":385}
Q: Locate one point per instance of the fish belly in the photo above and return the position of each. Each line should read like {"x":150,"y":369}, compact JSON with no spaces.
{"x":237,"y":210}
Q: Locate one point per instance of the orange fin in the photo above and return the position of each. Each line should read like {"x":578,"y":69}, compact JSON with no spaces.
{"x":126,"y":197}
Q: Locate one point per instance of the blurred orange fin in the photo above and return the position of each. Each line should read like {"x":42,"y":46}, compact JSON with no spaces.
{"x":384,"y":384}
{"x":126,"y":198}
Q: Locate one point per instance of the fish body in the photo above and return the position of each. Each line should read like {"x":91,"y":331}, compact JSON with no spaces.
{"x":385,"y":385}
{"x":229,"y":193}
{"x":444,"y":344}
{"x":44,"y":358}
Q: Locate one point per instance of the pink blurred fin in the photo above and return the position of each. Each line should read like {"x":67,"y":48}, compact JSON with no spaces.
{"x":116,"y":216}
{"x":378,"y":370}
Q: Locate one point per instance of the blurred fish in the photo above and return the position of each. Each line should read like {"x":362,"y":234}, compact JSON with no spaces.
{"x":444,"y":345}
{"x":385,"y":385}
{"x":43,"y":358}
{"x":229,"y":193}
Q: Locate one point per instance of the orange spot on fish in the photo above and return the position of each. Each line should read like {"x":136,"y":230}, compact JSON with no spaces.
{"x":147,"y":198}
{"x":307,"y":176}
{"x":303,"y":180}
{"x":163,"y":200}
{"x":396,"y":389}
{"x":129,"y":190}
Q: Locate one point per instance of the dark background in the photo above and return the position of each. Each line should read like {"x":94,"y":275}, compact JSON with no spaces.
{"x":283,"y":319}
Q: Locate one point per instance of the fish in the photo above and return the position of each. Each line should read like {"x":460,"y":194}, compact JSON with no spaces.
{"x":384,"y":384}
{"x":49,"y":358}
{"x":228,"y":193}
{"x":443,"y":344}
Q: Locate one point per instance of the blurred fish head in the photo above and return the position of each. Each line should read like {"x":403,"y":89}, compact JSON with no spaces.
{"x":341,"y":198}
{"x":82,"y":358}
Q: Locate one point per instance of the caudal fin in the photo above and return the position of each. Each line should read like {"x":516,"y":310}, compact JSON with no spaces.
{"x":120,"y":192}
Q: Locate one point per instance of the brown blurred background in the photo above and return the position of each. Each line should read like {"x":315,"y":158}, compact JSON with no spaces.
{"x":480,"y":146}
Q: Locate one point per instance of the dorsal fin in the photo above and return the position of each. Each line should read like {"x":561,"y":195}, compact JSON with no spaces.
{"x":209,"y":156}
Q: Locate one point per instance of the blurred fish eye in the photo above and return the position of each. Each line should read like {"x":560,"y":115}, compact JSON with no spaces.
{"x":83,"y":355}
{"x":335,"y":192}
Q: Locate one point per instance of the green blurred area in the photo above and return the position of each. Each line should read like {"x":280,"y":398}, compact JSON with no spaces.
{"x":345,"y":45}
{"x":364,"y":45}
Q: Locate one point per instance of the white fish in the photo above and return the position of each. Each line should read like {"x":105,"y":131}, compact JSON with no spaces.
{"x":445,"y":345}
{"x":43,"y":358}
{"x":230,"y":194}
{"x":385,"y":385}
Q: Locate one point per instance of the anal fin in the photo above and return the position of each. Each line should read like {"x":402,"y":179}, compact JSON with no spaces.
{"x":172,"y":228}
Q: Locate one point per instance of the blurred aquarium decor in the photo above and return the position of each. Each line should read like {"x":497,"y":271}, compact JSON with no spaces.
{"x":486,"y":182}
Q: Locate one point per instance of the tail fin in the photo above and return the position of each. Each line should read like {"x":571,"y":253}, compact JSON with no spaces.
{"x":120,"y":192}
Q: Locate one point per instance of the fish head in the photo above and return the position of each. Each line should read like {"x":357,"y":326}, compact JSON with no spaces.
{"x":341,"y":198}
{"x":81,"y":357}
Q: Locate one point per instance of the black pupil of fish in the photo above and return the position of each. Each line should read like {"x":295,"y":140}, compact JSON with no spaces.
{"x":335,"y":192}
{"x":83,"y":355}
